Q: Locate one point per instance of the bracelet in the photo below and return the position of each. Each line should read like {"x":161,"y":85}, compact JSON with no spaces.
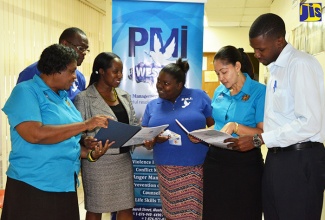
{"x":90,"y":158}
{"x":236,"y":129}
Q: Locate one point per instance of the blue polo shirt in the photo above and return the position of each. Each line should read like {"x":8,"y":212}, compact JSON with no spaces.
{"x":78,"y":85}
{"x":191,"y":108}
{"x":246,"y":107}
{"x":48,"y":167}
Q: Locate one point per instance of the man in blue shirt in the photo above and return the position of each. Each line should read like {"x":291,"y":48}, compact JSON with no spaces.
{"x":72,"y":37}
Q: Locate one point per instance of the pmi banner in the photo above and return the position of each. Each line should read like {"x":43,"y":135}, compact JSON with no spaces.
{"x":147,"y":35}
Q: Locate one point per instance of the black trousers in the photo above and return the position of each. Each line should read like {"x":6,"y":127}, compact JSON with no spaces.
{"x":293,"y":184}
{"x":25,"y":202}
{"x":232,"y":185}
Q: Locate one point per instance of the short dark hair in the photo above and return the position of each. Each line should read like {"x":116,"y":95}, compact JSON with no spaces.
{"x":69,"y":33}
{"x":103,"y":61}
{"x":231,"y":54}
{"x":56,"y":58}
{"x":268,"y":25}
{"x":177,"y":70}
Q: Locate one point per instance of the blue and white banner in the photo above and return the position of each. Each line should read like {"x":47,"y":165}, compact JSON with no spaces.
{"x":148,"y":35}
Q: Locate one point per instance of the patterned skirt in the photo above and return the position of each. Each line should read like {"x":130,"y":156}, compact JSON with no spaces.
{"x":181,"y":191}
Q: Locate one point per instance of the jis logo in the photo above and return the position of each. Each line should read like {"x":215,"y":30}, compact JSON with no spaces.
{"x":310,"y":11}
{"x":159,"y":52}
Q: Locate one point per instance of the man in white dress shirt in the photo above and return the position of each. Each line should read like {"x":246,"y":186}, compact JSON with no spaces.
{"x":294,"y":125}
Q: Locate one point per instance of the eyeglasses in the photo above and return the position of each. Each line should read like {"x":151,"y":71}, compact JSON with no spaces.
{"x":80,"y":48}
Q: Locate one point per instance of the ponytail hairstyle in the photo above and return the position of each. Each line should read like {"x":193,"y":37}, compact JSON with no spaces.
{"x":178,"y":70}
{"x":246,"y":64}
{"x":231,"y":55}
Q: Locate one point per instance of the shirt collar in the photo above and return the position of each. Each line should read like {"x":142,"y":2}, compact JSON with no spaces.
{"x":46,"y":89}
{"x":282,"y":58}
{"x":247,"y":84}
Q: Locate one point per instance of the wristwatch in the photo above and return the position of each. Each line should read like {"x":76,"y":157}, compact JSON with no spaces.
{"x":257,"y":142}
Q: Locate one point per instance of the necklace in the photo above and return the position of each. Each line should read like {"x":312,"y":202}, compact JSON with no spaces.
{"x":106,"y":99}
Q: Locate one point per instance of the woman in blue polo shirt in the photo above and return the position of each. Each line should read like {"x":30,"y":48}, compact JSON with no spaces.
{"x":232,"y":178}
{"x":179,"y":161}
{"x":45,"y":130}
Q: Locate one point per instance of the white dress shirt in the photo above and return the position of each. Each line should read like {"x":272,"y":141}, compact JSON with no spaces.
{"x":295,"y":100}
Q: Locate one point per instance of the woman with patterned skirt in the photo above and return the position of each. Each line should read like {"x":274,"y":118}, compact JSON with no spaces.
{"x":178,"y":160}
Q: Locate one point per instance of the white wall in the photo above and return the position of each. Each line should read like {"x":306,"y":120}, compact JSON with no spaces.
{"x":215,"y":38}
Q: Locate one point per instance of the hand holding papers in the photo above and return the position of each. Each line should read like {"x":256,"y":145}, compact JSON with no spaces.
{"x":209,"y":136}
{"x":126,"y":135}
{"x":146,"y":133}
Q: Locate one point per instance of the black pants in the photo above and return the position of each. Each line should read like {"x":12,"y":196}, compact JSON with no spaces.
{"x":232,"y":184}
{"x":293,"y":184}
{"x":25,"y":202}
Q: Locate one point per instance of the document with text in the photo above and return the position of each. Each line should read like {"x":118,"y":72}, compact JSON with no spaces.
{"x":146,"y":133}
{"x":209,"y":136}
{"x":127,"y":135}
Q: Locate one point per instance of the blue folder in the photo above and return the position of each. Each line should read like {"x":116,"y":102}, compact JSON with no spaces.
{"x":118,"y":132}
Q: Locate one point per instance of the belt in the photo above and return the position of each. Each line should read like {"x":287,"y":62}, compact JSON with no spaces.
{"x":124,"y":150}
{"x":294,"y":147}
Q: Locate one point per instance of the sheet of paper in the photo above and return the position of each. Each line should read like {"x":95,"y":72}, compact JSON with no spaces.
{"x":146,"y":133}
{"x":209,"y":136}
{"x":212,"y":137}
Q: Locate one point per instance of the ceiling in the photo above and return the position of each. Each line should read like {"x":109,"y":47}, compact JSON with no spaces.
{"x":235,"y":13}
{"x":221,"y":13}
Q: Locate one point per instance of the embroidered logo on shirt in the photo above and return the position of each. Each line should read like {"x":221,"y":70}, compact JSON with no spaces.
{"x":186,"y":102}
{"x":220,"y":97}
{"x":245,"y":97}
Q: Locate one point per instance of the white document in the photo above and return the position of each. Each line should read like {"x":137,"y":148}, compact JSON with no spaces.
{"x":146,"y":133}
{"x":209,"y":136}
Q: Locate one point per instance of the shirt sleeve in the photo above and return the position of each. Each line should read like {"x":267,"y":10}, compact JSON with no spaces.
{"x":260,"y":102}
{"x":22,"y":105}
{"x":146,"y":117}
{"x":207,"y":108}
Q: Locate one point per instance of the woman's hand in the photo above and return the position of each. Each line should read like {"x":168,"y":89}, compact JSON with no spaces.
{"x":97,"y":121}
{"x":193,"y":139}
{"x":90,"y":142}
{"x":100,"y":150}
{"x":230,"y":128}
{"x":149,"y":144}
